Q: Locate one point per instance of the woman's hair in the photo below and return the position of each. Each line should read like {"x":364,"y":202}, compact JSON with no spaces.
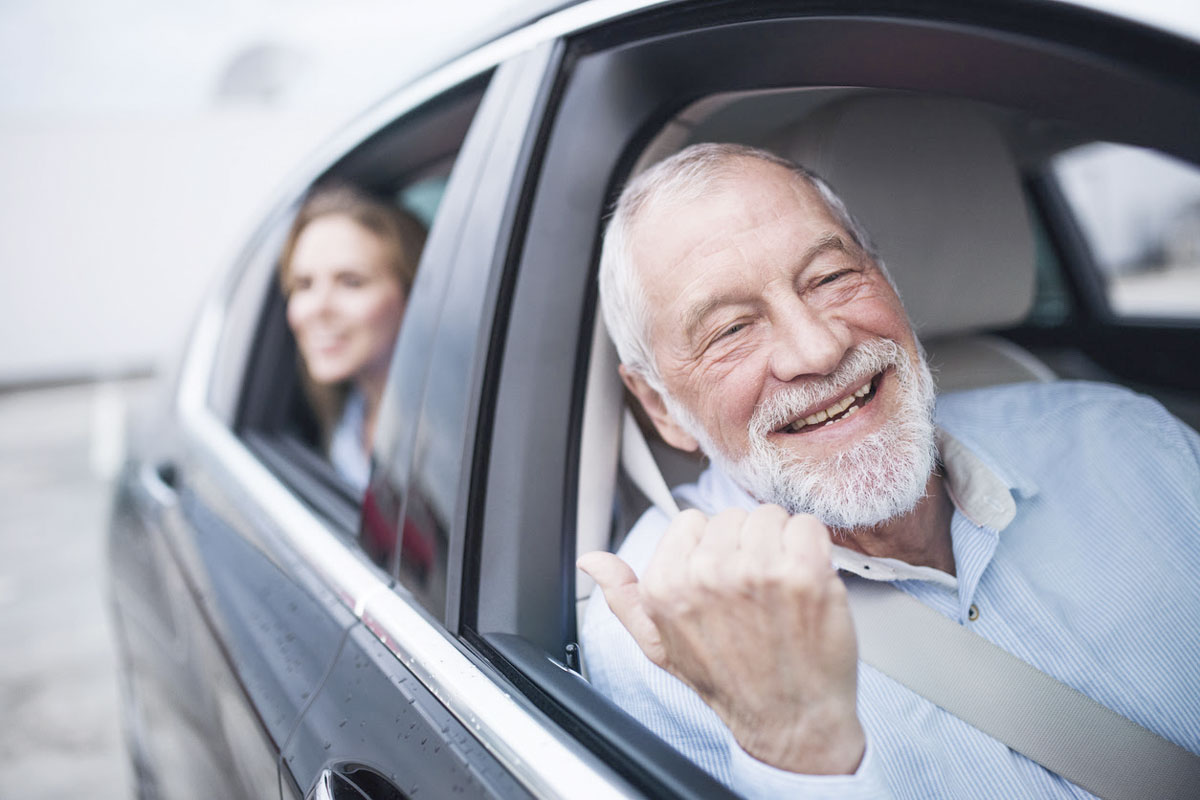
{"x":401,"y":232}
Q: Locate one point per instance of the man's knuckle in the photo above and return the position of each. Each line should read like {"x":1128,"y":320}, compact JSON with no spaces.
{"x":730,"y":517}
{"x":690,"y":518}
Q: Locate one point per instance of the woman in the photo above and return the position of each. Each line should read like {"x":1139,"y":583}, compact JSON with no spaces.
{"x":346,"y":270}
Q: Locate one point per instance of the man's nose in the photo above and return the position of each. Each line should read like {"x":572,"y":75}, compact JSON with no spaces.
{"x":807,"y":342}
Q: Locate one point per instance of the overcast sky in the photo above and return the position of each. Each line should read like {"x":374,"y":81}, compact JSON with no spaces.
{"x":140,"y":141}
{"x":67,"y":57}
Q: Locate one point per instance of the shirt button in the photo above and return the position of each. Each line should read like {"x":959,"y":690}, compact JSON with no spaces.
{"x":973,"y":612}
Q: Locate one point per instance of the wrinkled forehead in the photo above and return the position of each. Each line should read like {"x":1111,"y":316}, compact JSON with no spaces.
{"x":681,"y":225}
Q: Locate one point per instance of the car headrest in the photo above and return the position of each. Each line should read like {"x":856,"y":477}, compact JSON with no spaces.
{"x":937,"y":190}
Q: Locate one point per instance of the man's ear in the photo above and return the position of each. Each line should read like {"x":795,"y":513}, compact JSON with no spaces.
{"x":670,"y":430}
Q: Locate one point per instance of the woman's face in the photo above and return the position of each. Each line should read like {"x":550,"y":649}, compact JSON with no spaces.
{"x":344,"y":302}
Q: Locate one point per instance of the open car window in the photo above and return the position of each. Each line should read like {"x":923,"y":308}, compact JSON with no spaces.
{"x":549,"y":479}
{"x":406,"y":164}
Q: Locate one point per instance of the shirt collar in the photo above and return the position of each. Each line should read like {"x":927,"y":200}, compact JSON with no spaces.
{"x":979,"y":492}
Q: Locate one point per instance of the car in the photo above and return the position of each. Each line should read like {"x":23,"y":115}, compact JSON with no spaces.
{"x":282,"y":635}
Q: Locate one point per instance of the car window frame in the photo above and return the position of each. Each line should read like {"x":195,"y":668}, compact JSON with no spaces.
{"x":532,"y":488}
{"x":269,"y":373}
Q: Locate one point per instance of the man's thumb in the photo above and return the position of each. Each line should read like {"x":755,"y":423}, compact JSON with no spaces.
{"x":607,"y":570}
{"x":619,"y":583}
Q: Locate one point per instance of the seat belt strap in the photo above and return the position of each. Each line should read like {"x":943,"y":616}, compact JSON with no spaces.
{"x":1040,"y":717}
{"x":642,"y":469}
{"x":982,"y":684}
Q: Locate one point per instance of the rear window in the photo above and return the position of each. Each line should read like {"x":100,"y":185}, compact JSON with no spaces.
{"x":1139,"y":212}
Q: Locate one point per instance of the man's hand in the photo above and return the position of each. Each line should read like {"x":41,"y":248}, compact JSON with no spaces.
{"x":748,"y":610}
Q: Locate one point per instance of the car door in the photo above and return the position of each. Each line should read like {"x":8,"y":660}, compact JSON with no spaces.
{"x":375,"y":723}
{"x":224,"y":641}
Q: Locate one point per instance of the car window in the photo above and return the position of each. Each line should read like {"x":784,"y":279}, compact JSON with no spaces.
{"x":1052,"y":301}
{"x":325,"y":282}
{"x":1139,"y":212}
{"x":607,"y":126}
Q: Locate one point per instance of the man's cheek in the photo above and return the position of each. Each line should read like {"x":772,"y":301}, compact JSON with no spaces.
{"x":729,"y":415}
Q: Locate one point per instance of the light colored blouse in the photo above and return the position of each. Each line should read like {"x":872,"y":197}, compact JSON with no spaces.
{"x":346,"y":451}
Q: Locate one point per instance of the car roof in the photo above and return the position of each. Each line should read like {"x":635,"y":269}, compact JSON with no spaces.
{"x":515,"y":26}
{"x":1178,"y":17}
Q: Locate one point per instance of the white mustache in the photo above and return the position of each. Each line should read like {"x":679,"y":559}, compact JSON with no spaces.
{"x":859,"y":365}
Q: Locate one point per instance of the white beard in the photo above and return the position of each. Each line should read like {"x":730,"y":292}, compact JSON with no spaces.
{"x":878,"y":479}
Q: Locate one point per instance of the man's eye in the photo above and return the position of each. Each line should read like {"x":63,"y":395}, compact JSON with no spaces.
{"x":731,"y":330}
{"x":831,"y":277}
{"x":353,"y":281}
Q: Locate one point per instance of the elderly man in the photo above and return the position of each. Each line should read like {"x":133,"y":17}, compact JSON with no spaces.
{"x":1056,"y":520}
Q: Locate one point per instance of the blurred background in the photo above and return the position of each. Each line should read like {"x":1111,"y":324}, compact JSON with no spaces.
{"x":139,"y":142}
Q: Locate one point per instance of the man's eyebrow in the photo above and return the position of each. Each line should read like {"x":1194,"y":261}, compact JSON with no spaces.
{"x":830,"y":241}
{"x":695,"y":315}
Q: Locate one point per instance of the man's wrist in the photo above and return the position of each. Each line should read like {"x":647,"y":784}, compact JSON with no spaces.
{"x":814,"y":749}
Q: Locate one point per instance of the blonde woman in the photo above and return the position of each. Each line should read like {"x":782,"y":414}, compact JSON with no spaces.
{"x":346,"y":270}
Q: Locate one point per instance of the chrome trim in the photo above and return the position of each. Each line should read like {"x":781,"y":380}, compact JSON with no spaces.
{"x":323,"y":789}
{"x":192,"y":394}
{"x":154,"y":485}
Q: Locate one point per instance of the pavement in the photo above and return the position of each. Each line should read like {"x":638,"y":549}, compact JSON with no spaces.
{"x":60,"y":731}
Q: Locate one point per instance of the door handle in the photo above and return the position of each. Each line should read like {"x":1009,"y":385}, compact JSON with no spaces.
{"x":323,"y":789}
{"x":168,"y":474}
{"x":161,"y":481}
{"x":335,"y":785}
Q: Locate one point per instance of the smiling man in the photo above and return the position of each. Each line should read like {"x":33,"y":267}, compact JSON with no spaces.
{"x":755,"y":323}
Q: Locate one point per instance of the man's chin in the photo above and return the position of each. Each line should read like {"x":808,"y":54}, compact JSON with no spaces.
{"x":880,"y":480}
{"x":877,"y":479}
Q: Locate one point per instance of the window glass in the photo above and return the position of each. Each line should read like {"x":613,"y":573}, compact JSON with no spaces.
{"x":242,"y":313}
{"x":337,"y":293}
{"x":423,"y":197}
{"x":1051,"y":299}
{"x":1139,"y":212}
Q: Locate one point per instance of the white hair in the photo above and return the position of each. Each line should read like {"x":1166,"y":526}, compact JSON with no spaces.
{"x":682,"y":178}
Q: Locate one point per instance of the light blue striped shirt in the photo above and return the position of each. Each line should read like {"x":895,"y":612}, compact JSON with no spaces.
{"x":1090,"y":574}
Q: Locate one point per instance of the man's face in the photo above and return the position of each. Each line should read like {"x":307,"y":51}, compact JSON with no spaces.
{"x":784,"y":351}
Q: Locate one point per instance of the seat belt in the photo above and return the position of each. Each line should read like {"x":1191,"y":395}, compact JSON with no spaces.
{"x":1040,"y":717}
{"x":982,"y":684}
{"x":641,"y":467}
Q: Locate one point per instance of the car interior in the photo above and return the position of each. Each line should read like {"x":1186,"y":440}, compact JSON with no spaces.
{"x":941,"y":185}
